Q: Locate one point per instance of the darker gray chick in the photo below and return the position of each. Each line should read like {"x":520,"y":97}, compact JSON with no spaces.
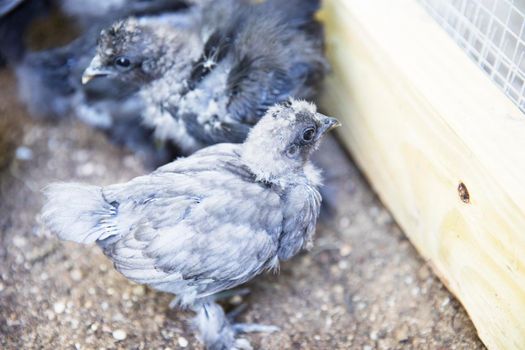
{"x":50,"y":85}
{"x":210,"y":222}
{"x":213,"y":81}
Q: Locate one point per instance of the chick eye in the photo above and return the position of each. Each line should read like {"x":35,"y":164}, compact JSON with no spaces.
{"x":122,"y":62}
{"x":308,"y":134}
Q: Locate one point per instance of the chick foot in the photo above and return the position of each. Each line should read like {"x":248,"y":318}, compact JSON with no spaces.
{"x":217,"y":332}
{"x":243,"y":328}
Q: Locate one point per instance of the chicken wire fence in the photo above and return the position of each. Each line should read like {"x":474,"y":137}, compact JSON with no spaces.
{"x":492,"y":33}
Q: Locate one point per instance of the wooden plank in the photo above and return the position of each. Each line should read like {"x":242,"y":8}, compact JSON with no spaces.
{"x":420,"y":119}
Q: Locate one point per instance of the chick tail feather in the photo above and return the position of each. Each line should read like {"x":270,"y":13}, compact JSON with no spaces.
{"x":79,"y":213}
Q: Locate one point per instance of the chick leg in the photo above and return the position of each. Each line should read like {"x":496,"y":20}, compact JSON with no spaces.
{"x":218,"y":333}
{"x":214,"y":329}
{"x":243,"y":328}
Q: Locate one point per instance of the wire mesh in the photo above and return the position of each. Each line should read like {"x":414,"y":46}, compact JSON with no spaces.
{"x":492,"y":33}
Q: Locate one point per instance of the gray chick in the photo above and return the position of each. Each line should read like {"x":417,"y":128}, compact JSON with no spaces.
{"x":213,"y":81}
{"x":209,"y":222}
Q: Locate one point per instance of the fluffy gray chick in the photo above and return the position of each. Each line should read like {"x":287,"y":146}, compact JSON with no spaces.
{"x":213,"y":81}
{"x":209,"y":222}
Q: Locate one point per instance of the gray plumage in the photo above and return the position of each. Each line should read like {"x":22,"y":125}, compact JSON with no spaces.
{"x":212,"y":81}
{"x":209,"y":222}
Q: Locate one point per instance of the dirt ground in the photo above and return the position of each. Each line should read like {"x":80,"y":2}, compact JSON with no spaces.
{"x":363,"y":286}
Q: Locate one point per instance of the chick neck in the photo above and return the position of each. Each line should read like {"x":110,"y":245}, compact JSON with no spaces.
{"x":269,"y":164}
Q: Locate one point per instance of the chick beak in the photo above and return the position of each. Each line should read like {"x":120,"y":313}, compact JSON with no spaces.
{"x":95,"y":69}
{"x":327,"y":124}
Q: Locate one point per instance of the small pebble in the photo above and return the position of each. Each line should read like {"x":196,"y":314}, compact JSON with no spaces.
{"x":119,"y":335}
{"x":338,"y":289}
{"x":444,"y":303}
{"x":74,"y":323}
{"x":236,"y":300}
{"x":345,"y":250}
{"x":138,"y":290}
{"x":76,"y":275}
{"x":401,"y":333}
{"x":361,"y":306}
{"x":183,"y":342}
{"x":24,"y":153}
{"x":159,"y":319}
{"x":86,"y":169}
{"x":19,"y":242}
{"x":50,"y":315}
{"x":118,"y":317}
{"x":423,"y":273}
{"x":328,"y":322}
{"x":59,"y":307}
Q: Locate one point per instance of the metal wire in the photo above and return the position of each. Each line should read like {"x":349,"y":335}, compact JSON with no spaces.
{"x":492,"y":33}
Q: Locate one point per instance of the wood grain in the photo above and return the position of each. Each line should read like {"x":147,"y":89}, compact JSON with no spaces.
{"x":426,"y":125}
